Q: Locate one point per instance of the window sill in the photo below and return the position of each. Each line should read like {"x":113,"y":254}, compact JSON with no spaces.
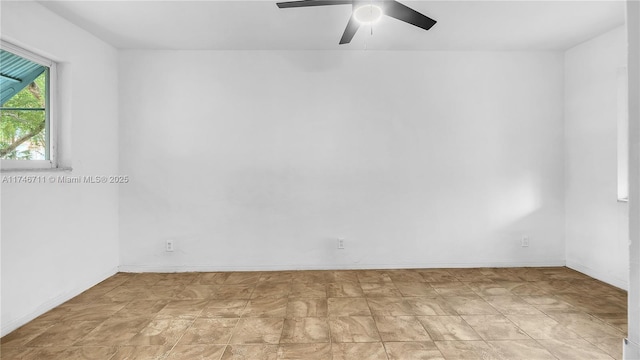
{"x":36,"y":170}
{"x":623,"y":200}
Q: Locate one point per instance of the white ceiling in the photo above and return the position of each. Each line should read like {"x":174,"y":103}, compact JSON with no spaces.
{"x":261,"y":25}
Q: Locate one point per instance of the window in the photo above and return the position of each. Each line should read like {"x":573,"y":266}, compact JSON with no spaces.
{"x":623,"y":135}
{"x":27,"y":136}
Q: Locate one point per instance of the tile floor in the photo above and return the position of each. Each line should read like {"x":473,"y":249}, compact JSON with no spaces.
{"x":504,"y":313}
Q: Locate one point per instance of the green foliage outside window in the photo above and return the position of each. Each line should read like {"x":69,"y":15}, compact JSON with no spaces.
{"x":23,"y":132}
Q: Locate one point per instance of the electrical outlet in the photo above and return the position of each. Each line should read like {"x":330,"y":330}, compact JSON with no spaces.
{"x":340,"y":243}
{"x":525,"y":241}
{"x":169,"y":245}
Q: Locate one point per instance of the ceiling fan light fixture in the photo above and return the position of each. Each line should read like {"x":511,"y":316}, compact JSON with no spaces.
{"x":368,"y":14}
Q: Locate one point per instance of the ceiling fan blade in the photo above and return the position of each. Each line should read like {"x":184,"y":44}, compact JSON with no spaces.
{"x":408,"y":15}
{"x":352,"y":27}
{"x":305,"y":3}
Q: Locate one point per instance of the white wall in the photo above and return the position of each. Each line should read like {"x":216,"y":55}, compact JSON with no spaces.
{"x":632,"y":350}
{"x":596,"y":223}
{"x":59,"y":239}
{"x":260,"y":160}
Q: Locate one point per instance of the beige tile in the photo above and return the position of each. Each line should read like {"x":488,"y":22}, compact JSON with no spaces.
{"x":343,"y":276}
{"x":275,"y":277}
{"x":258,"y":331}
{"x":64,"y":353}
{"x":141,"y":353}
{"x":348,"y":307}
{"x":93,"y":311}
{"x":142,"y":308}
{"x":308,"y":290}
{"x":25,"y":333}
{"x":392,"y":306}
{"x":495,"y":327}
{"x":211,"y":278}
{"x":242,"y":278}
{"x":452,"y":288}
{"x":304,"y":351}
{"x":344,"y":290}
{"x":196,"y":352}
{"x":430,"y":306}
{"x":198,"y":292}
{"x":309,"y":277}
{"x":465,"y":350}
{"x":425,"y":350}
{"x":574,"y":349}
{"x":161,"y":332}
{"x":380,"y":290}
{"x":233,"y":292}
{"x":400,"y":328}
{"x":519,"y":349}
{"x":542,"y":327}
{"x":209,"y":331}
{"x":373,"y":276}
{"x":471,"y":305}
{"x":266,"y":307}
{"x":307,"y":307}
{"x":405,"y":276}
{"x":114,"y":331}
{"x":250,"y":352}
{"x":448,"y":328}
{"x":416,"y":289}
{"x":512,"y":305}
{"x":305,"y":330}
{"x":350,"y":351}
{"x":353,"y":329}
{"x":64,"y":333}
{"x":178,"y":279}
{"x":436,"y":275}
{"x":17,"y":353}
{"x":488,"y":288}
{"x":611,"y":346}
{"x":182,"y":309}
{"x":271,"y":290}
{"x":586,"y":325}
{"x":223,"y":309}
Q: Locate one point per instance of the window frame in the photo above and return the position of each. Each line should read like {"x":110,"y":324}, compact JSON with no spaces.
{"x":50,"y":113}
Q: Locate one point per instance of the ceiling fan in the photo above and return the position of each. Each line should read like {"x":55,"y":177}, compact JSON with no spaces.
{"x":368,"y":12}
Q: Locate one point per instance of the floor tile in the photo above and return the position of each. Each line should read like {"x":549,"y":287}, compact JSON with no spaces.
{"x":141,"y":353}
{"x":344,"y":290}
{"x":574,"y":349}
{"x":430,"y":306}
{"x":380,"y":290}
{"x":542,"y":327}
{"x":308,"y":290}
{"x":471,"y":305}
{"x":304,"y":351}
{"x":448,"y":328}
{"x":196,"y":352}
{"x":305,"y":330}
{"x":257,"y":331}
{"x":400,"y":328}
{"x":353,"y":329}
{"x":250,"y":352}
{"x":453,"y":288}
{"x":223,"y":309}
{"x":25,"y":333}
{"x":465,"y":350}
{"x":519,"y":349}
{"x":182,"y":309}
{"x":392,"y":306}
{"x":495,"y":327}
{"x":611,"y":346}
{"x":161,"y":332}
{"x":412,"y":289}
{"x":426,"y":350}
{"x":65,"y":353}
{"x":209,"y":331}
{"x":307,"y":307}
{"x":586,"y":325}
{"x":348,"y":307}
{"x":512,"y":305}
{"x":350,"y":351}
{"x":114,"y":331}
{"x":242,"y":278}
{"x":64,"y":333}
{"x":271,"y":290}
{"x":266,"y":307}
{"x":233,"y":292}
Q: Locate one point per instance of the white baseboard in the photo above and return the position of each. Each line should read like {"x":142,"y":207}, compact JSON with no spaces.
{"x":213,"y":268}
{"x":630,"y":350}
{"x":52,"y":303}
{"x":604,"y":277}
